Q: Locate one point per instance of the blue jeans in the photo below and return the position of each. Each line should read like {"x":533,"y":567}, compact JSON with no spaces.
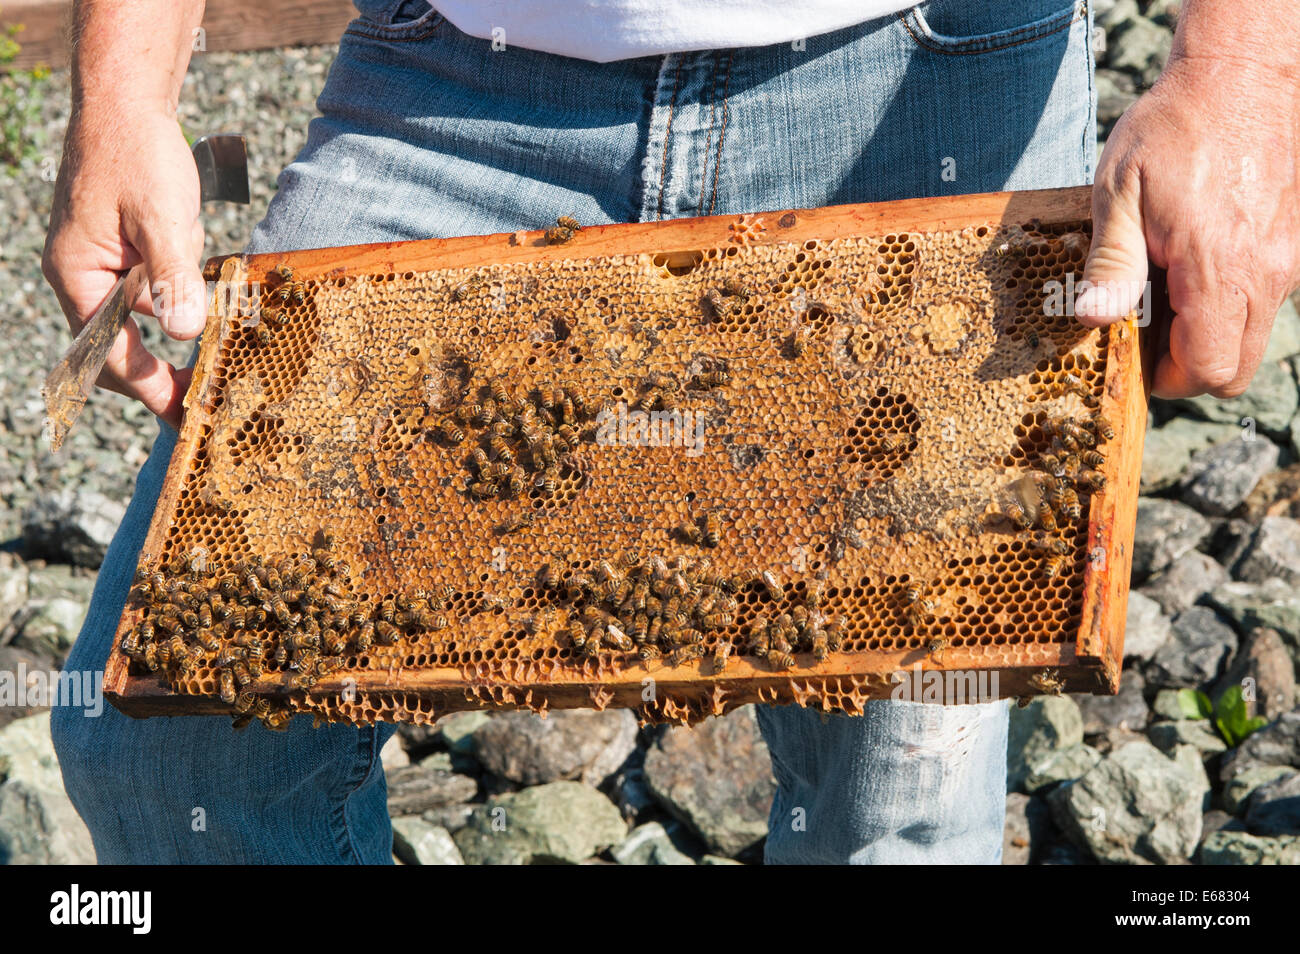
{"x":426,"y":132}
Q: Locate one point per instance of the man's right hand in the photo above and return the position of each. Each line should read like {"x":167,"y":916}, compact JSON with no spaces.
{"x":123,"y":198}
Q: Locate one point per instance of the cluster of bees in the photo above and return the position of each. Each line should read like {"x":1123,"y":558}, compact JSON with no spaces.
{"x":286,"y":292}
{"x":659,"y":390}
{"x":297,"y":613}
{"x":1048,"y":499}
{"x":522,"y":442}
{"x":566,"y":226}
{"x":730,"y":296}
{"x":657,"y":609}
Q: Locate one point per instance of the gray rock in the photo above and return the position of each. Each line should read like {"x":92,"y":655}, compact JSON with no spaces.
{"x":1198,"y":733}
{"x":1220,"y":478}
{"x":1265,"y":671}
{"x":1274,"y":807}
{"x":1232,"y":538}
{"x":1237,"y":790}
{"x":1273,"y":604}
{"x":1193,"y":763}
{"x":1139,"y":47}
{"x":1115,"y":94}
{"x":456,"y":731}
{"x":1184,"y":582}
{"x":15,"y":661}
{"x":27,"y":753}
{"x":1164,"y":12}
{"x":39,"y":826}
{"x":649,"y":844}
{"x":556,"y":823}
{"x":1240,"y":848}
{"x":50,"y":627}
{"x":13,"y":587}
{"x":1284,"y":339}
{"x":1135,"y":806}
{"x":1168,"y":704}
{"x":1276,"y":744}
{"x":1270,"y":401}
{"x":1165,"y":531}
{"x":716,"y":778}
{"x":1274,"y":552}
{"x":1146,"y":627}
{"x":580,"y":744}
{"x":1017,"y":844}
{"x":719,"y":860}
{"x":413,"y":789}
{"x":392,"y":756}
{"x":1200,"y":647}
{"x":451,"y":817}
{"x":1126,"y":709}
{"x":1061,"y":766}
{"x":1046,"y":726}
{"x":1167,"y":450}
{"x":630,"y":791}
{"x":74,"y":526}
{"x":1110,"y":15}
{"x":416,"y":842}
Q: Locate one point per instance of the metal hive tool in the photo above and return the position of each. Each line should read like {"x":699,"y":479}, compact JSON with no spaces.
{"x":361,"y":520}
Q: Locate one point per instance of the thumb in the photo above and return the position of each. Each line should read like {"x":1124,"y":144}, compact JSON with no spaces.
{"x":1116,"y":271}
{"x":179,"y":292}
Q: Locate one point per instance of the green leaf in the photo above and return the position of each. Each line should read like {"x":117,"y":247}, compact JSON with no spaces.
{"x":1194,"y":705}
{"x":1232,"y":717}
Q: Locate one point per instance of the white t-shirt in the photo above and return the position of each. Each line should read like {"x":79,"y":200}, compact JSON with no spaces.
{"x":606,"y":30}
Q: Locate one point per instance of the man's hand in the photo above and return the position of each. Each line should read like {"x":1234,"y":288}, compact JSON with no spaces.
{"x":1202,"y":175}
{"x":128,"y":190}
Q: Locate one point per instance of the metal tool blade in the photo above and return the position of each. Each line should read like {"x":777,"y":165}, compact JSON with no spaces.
{"x":222,"y":163}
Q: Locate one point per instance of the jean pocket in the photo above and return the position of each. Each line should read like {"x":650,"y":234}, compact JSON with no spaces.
{"x":404,"y":20}
{"x":960,"y":27}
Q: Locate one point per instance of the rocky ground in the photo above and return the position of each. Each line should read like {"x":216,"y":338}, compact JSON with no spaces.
{"x":1140,"y":777}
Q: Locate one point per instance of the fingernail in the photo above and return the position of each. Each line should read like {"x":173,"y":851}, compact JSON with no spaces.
{"x":186,"y":317}
{"x":1092,"y":303}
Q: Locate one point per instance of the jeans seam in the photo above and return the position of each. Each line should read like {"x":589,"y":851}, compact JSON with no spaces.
{"x":726,"y":112}
{"x":969,"y":48}
{"x":708,"y":141}
{"x":347,"y":844}
{"x":668,"y":135}
{"x":398,"y":32}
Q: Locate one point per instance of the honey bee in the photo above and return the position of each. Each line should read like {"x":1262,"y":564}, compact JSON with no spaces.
{"x":484,"y":489}
{"x":744,"y":578}
{"x":1092,"y":479}
{"x":1031,"y":337}
{"x":918,"y":611}
{"x":568,"y":222}
{"x":649,"y":399}
{"x":1069,"y":504}
{"x":912,"y":592}
{"x":937,"y":647}
{"x":712,"y":379}
{"x":1047,"y":520}
{"x":1072,"y":436}
{"x":1103,"y":428}
{"x":690,"y":532}
{"x":516,"y":481}
{"x":780,"y":660}
{"x":798,"y":342}
{"x":712,"y":529}
{"x":816,"y":594}
{"x":717,"y":620}
{"x":1045,"y":541}
{"x":1053,"y":566}
{"x":387,"y":633}
{"x":684,"y":654}
{"x":775,"y":591}
{"x":821,"y":646}
{"x":1092,"y":458}
{"x":733,"y":287}
{"x":227,"y":679}
{"x":718,"y":307}
{"x":463,"y":290}
{"x":834,"y":635}
{"x":615,"y":638}
{"x":558,"y":235}
{"x":283,"y":272}
{"x":1048,"y":681}
{"x":450,"y":431}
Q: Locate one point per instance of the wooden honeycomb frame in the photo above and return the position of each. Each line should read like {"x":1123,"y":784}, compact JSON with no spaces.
{"x":908,"y":310}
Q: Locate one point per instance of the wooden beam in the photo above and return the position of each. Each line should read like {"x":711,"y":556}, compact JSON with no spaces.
{"x":227,"y":25}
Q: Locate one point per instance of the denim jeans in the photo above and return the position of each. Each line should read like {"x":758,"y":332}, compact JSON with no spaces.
{"x":426,"y":132}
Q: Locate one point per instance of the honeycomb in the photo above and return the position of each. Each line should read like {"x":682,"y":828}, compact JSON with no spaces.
{"x":676,"y":467}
